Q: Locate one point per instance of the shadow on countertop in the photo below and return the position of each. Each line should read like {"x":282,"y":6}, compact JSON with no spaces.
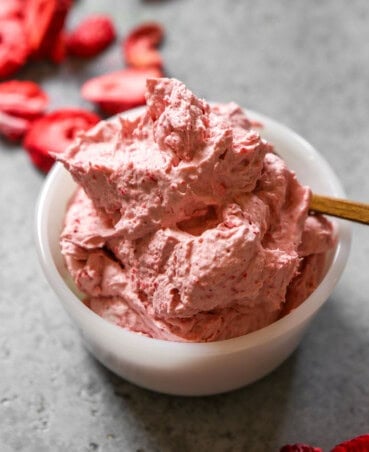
{"x":227,"y":422}
{"x":223,"y":422}
{"x":301,"y":401}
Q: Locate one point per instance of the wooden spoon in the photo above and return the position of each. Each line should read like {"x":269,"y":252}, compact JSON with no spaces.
{"x":342,"y":208}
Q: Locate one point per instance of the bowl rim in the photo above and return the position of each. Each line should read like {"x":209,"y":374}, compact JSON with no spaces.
{"x":281,"y":326}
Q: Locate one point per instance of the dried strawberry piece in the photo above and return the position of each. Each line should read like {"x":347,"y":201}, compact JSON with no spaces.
{"x":120,"y":90}
{"x":113,"y":108}
{"x":22,"y":98}
{"x":11,"y":8}
{"x":12,"y":127}
{"x":54,"y":132}
{"x":44,"y":22}
{"x":92,"y":36}
{"x":13,"y":47}
{"x":58,"y":52}
{"x":300,"y":448}
{"x":39,"y":15}
{"x":139,"y":47}
{"x":53,"y":45}
{"x":357,"y":444}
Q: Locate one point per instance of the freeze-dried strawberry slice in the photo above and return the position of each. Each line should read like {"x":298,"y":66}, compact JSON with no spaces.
{"x":300,"y":448}
{"x":120,"y":90}
{"x":112,"y":108}
{"x":13,"y":47}
{"x":53,"y":44}
{"x":13,"y":128}
{"x":58,"y":52}
{"x":54,"y":132}
{"x":22,"y":98}
{"x":44,"y":21}
{"x":11,"y":8}
{"x":358,"y":444}
{"x":91,"y":36}
{"x":139,"y":47}
{"x":39,"y":15}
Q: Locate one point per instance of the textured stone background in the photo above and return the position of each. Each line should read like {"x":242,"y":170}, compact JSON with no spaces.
{"x":305,"y":63}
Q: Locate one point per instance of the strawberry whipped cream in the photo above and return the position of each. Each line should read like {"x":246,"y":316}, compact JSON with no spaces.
{"x":186,"y":225}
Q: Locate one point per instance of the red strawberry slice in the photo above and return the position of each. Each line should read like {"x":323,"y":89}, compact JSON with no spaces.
{"x":13,"y":128}
{"x":44,"y":21}
{"x":11,"y":8}
{"x":120,"y":90}
{"x":300,"y":448}
{"x":22,"y":98}
{"x":113,"y":108}
{"x":92,"y":36}
{"x":53,"y":44}
{"x":139,"y":48}
{"x":58,"y":52}
{"x":358,"y":444}
{"x":13,"y":47}
{"x":38,"y":17}
{"x":54,"y":132}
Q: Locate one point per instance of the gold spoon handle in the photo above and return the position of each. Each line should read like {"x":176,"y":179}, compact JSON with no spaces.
{"x":342,"y":208}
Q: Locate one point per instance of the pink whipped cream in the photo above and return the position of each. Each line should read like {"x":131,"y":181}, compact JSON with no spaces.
{"x":186,"y":225}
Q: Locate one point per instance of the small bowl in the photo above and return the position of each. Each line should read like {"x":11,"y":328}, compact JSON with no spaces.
{"x":193,"y":368}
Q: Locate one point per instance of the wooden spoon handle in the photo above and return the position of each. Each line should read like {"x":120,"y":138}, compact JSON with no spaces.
{"x":350,"y":210}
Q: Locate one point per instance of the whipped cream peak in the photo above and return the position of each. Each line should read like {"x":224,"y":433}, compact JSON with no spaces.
{"x":181,"y":120}
{"x":158,"y":168}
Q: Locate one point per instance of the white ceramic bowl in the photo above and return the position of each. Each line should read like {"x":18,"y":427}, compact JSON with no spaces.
{"x":193,"y":368}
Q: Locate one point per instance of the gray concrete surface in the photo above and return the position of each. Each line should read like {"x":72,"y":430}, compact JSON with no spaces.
{"x":305,"y":63}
